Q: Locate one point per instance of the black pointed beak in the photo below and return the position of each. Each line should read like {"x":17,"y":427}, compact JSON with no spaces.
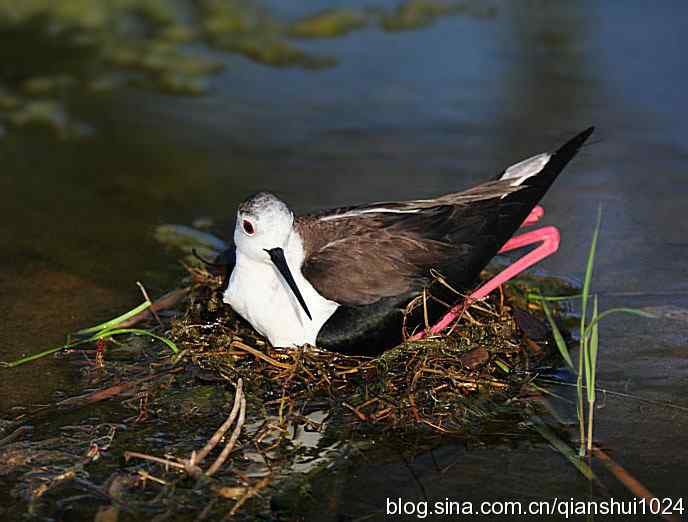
{"x":278,"y":259}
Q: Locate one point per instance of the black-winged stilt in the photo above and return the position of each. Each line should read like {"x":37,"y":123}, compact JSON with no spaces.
{"x":341,"y":279}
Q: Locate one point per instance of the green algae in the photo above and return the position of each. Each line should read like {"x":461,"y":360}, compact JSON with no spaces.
{"x":278,"y":53}
{"x":329,"y":23}
{"x":8,"y":101}
{"x":47,"y":113}
{"x":413,"y":14}
{"x":242,"y":28}
{"x":47,"y":85}
{"x":50,"y":49}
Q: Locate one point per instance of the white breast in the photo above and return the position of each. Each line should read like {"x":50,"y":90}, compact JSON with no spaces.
{"x":260,"y":295}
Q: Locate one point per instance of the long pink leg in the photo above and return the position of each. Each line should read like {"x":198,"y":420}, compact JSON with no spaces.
{"x":534,"y":216}
{"x":549,"y":239}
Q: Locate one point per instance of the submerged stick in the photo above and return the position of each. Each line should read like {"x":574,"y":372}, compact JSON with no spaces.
{"x":628,"y":480}
{"x":252,"y":491}
{"x":166,"y":301}
{"x":148,"y":300}
{"x":215,"y":439}
{"x":152,"y":458}
{"x":260,"y":355}
{"x":112,"y":391}
{"x":115,"y":491}
{"x":232,"y":441}
{"x":144,"y":311}
{"x":191,"y":465}
{"x":16,"y":434}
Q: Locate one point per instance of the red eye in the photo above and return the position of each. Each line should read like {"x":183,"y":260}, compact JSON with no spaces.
{"x":248,"y":227}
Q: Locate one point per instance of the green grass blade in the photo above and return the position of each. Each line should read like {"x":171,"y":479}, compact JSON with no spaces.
{"x":585,"y":295}
{"x":585,"y":347}
{"x":564,"y":449}
{"x":538,"y":297}
{"x":583,"y":356}
{"x":592,"y":352}
{"x":502,"y":365}
{"x":135,"y":331}
{"x":42,"y":354}
{"x":611,"y":311}
{"x":558,"y":338}
{"x":100,"y":335}
{"x":117,"y":320}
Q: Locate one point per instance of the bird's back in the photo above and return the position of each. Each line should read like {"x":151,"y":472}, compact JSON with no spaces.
{"x":374,"y":259}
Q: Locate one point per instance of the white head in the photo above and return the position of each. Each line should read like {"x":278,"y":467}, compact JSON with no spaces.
{"x":263,"y":222}
{"x":264,"y":225}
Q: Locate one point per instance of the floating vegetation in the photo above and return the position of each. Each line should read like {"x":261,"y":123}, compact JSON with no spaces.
{"x":44,"y":112}
{"x":50,"y":48}
{"x":278,"y":53}
{"x":588,"y":344}
{"x":413,"y":14}
{"x":246,"y":29}
{"x":329,"y":24}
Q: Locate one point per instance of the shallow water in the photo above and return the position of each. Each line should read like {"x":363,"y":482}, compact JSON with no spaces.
{"x":402,"y":115}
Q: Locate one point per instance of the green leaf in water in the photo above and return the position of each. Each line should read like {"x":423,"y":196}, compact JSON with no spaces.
{"x":117,"y":320}
{"x":558,"y":338}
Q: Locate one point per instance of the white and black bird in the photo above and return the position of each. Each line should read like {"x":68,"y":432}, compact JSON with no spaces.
{"x":341,"y":279}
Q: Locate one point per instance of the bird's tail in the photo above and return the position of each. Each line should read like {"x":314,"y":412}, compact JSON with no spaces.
{"x":535,"y":176}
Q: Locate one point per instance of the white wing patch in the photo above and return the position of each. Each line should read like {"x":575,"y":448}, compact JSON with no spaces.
{"x":519,"y":172}
{"x":379,"y":210}
{"x":526,"y":169}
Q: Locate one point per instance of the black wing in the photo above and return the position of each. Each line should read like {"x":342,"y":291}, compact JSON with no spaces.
{"x":359,"y":255}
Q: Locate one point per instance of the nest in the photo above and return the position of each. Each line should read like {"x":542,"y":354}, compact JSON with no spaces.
{"x":442,"y":383}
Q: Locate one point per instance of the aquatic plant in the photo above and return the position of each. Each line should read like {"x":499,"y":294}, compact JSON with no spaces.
{"x":588,"y":344}
{"x":113,"y":327}
{"x":329,"y":23}
{"x":413,"y":14}
{"x":51,"y":48}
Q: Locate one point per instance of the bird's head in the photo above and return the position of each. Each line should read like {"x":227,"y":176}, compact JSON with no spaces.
{"x":263,"y":228}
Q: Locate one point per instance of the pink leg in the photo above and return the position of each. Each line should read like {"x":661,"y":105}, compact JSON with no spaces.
{"x":534,"y":216}
{"x":549,"y":239}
